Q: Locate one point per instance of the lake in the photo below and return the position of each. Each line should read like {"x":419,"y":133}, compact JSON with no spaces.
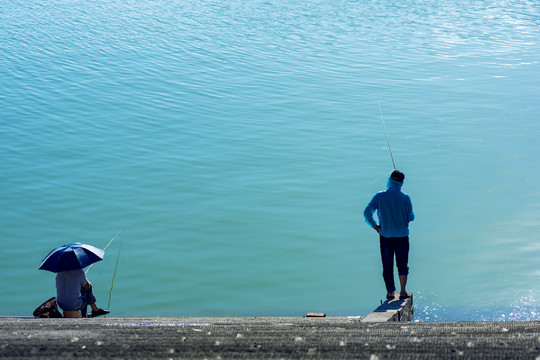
{"x":233,"y":146}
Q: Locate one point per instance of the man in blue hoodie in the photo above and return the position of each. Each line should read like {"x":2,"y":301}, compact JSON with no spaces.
{"x":394,"y":210}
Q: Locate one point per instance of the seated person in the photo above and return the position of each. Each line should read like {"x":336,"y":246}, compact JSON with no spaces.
{"x":74,"y":293}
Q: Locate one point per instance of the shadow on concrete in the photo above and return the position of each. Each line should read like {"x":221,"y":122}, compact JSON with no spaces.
{"x":395,"y":304}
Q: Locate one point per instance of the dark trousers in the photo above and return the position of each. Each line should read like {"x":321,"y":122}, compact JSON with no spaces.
{"x":399,"y":247}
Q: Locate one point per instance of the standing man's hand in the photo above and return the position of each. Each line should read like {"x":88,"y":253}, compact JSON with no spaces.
{"x":377,"y":228}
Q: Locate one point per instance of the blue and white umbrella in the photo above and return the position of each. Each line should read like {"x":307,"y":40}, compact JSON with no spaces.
{"x":71,"y":257}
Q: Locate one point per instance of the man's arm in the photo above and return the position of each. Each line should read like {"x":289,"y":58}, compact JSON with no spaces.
{"x":84,"y":281}
{"x":410,"y":212}
{"x":368,"y":213}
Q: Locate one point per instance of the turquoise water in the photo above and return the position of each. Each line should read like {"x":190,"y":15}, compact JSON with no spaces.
{"x":235,"y":144}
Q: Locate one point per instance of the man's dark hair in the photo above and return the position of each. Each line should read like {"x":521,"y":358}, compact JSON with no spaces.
{"x":398,"y":175}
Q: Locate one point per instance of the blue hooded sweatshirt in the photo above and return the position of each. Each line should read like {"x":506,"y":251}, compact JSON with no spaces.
{"x":394,"y":210}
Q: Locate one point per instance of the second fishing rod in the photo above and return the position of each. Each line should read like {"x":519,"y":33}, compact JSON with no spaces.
{"x":387,"y":139}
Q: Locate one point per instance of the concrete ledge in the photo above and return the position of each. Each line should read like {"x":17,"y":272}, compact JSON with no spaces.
{"x":392,"y":310}
{"x":264,"y":338}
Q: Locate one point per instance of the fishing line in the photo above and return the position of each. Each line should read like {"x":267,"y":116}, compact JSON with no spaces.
{"x":382,"y":177}
{"x":386,"y":132}
{"x":114,"y":275}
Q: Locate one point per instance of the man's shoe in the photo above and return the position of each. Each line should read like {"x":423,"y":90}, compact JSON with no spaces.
{"x":99,"y":312}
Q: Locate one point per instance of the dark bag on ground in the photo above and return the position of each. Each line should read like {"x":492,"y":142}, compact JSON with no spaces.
{"x":49,"y":309}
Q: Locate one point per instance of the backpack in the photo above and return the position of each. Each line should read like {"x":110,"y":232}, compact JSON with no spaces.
{"x":49,"y":309}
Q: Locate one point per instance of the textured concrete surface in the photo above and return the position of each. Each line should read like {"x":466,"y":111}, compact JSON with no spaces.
{"x":265,"y":338}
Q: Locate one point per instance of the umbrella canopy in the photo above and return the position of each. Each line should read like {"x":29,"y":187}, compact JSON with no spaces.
{"x":71,"y":257}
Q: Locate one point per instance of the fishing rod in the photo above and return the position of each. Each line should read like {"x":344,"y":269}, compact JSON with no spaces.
{"x":386,"y":132}
{"x":105,"y":248}
{"x":115,"y":236}
{"x":115,"y":266}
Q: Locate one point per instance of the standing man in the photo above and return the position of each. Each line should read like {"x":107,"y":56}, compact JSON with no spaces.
{"x":394,"y":210}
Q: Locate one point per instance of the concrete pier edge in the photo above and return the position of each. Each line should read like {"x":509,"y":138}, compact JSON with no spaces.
{"x":386,"y":333}
{"x":265,"y":338}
